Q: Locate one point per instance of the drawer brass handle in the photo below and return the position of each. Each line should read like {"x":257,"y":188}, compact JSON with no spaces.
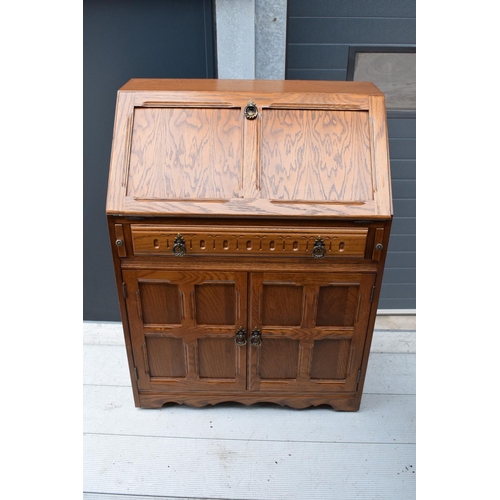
{"x":241,"y":337}
{"x":251,"y":111}
{"x":256,"y":338}
{"x":319,"y":250}
{"x":179,"y":248}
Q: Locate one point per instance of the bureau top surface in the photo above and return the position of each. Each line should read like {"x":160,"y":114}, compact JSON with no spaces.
{"x":255,"y":148}
{"x":272,"y":86}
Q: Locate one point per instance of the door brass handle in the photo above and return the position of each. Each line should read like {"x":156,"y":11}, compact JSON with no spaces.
{"x":241,"y":337}
{"x":179,"y":248}
{"x":256,"y":338}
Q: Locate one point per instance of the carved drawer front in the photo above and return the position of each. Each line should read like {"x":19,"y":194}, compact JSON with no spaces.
{"x":202,"y":240}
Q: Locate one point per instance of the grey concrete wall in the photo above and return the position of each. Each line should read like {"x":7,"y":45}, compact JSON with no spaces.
{"x":235,"y":25}
{"x":270,"y":39}
{"x":251,"y":39}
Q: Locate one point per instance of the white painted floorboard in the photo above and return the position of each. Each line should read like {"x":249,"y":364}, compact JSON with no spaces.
{"x":247,"y":469}
{"x":383,"y":418}
{"x":231,"y":451}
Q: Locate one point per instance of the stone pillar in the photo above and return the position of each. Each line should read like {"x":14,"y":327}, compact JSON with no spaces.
{"x":251,"y":39}
{"x":270,"y":39}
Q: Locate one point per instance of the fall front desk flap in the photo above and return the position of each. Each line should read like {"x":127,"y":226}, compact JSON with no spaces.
{"x":250,"y":147}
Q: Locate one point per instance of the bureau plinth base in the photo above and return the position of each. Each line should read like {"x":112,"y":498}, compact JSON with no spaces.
{"x":339,"y":402}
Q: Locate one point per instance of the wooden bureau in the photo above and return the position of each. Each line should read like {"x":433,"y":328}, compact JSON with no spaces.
{"x":249,"y":223}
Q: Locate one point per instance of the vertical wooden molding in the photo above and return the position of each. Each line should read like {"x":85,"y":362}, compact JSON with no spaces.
{"x":250,"y":174}
{"x":138,"y":304}
{"x":309,"y":306}
{"x":192,"y":365}
{"x":258,"y":164}
{"x":238,"y":305}
{"x":146,"y":360}
{"x":183,"y":306}
{"x":259,"y":310}
{"x":380,"y":158}
{"x":351,"y":357}
{"x":242,"y":159}
{"x":128,"y":146}
{"x":358,"y":307}
{"x":304,"y":313}
{"x":186,"y":359}
{"x":193,"y":305}
{"x":120,"y":151}
{"x":305,"y":361}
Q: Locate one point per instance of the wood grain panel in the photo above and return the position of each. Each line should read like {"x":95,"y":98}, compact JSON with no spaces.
{"x":337,"y":305}
{"x":278,"y":358}
{"x":330,"y":359}
{"x":215,"y":304}
{"x":217,"y":357}
{"x":281,"y":305}
{"x":166,"y":357}
{"x":181,"y":153}
{"x":315,"y":155}
{"x":160,"y":303}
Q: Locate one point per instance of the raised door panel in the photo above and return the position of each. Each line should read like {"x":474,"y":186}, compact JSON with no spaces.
{"x":185,"y":153}
{"x":316,"y":155}
{"x":313,"y":330}
{"x":183,"y":327}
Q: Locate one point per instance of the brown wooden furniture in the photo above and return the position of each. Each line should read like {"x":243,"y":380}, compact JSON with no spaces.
{"x":249,"y":223}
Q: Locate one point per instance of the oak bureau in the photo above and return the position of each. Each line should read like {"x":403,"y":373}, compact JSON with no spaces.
{"x":249,"y":223}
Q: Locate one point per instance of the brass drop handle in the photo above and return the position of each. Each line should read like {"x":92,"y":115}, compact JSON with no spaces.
{"x":241,"y":337}
{"x":251,"y":111}
{"x":319,"y":250}
{"x":179,"y":248}
{"x":256,"y":338}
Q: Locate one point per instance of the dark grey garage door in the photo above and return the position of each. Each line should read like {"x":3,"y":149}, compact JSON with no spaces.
{"x":320,"y":34}
{"x":122,"y":40}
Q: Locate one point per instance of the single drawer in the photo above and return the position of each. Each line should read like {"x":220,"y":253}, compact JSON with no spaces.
{"x":177,"y":241}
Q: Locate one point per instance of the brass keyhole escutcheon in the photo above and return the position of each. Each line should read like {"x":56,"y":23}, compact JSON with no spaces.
{"x":251,"y":111}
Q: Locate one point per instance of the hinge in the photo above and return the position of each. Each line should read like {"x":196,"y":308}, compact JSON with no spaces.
{"x":136,"y":373}
{"x":372,"y":296}
{"x":124,"y":286}
{"x":358,"y":379}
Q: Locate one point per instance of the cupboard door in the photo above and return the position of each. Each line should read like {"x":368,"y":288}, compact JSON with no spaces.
{"x":183,"y":327}
{"x":312,"y":330}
